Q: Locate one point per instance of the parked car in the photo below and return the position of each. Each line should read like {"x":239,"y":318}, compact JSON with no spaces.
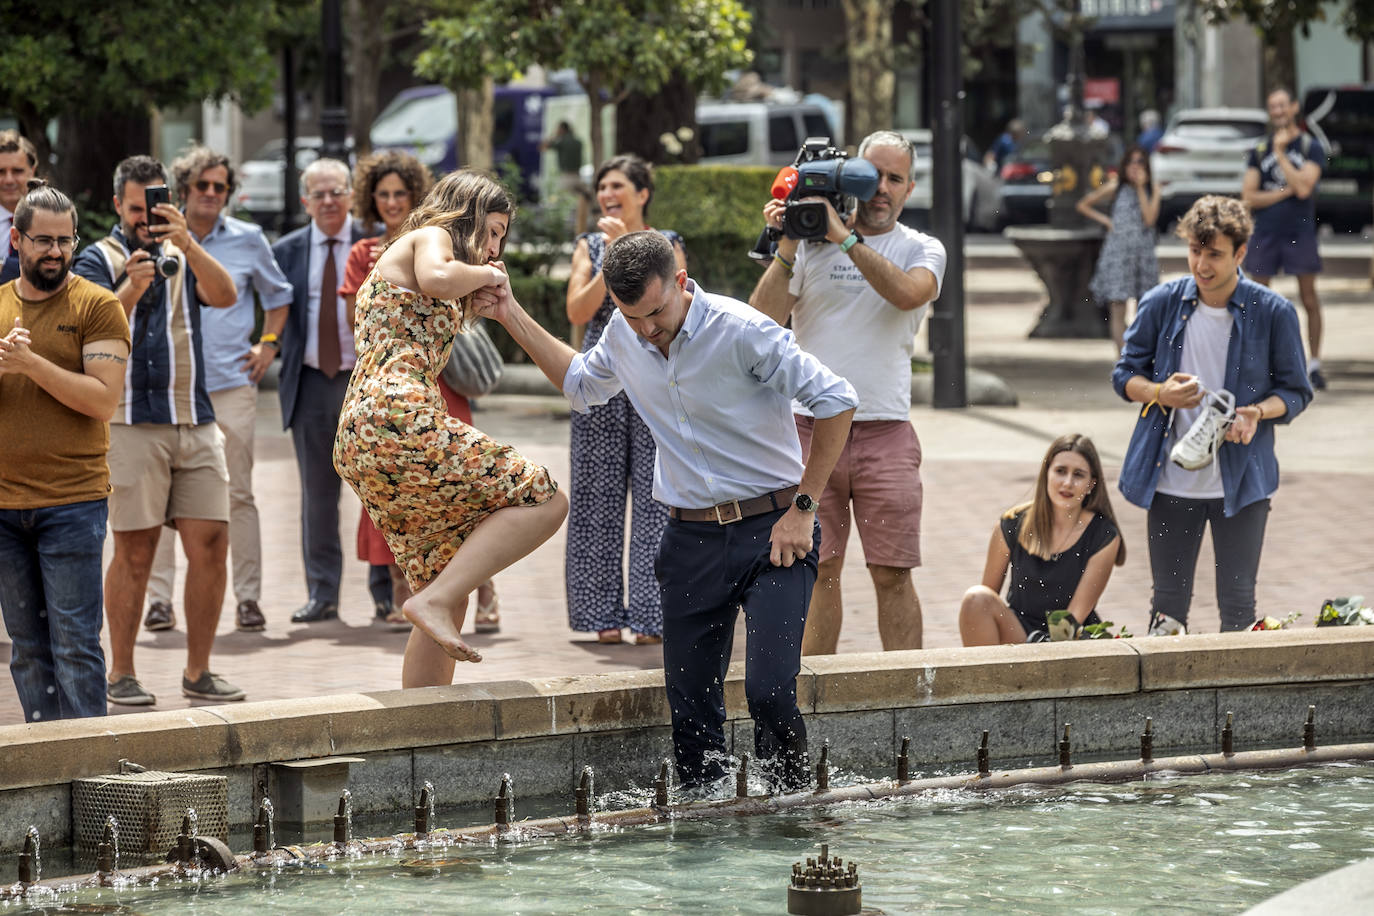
{"x":1026,"y":181}
{"x":758,"y":133}
{"x":980,"y":189}
{"x":1342,"y":119}
{"x":423,"y":121}
{"x":1203,"y":151}
{"x":261,"y":178}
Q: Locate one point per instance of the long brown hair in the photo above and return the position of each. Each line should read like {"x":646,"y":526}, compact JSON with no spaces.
{"x":1037,"y":524}
{"x":459,"y":203}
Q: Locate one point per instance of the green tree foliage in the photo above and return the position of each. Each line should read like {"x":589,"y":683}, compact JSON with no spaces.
{"x":614,"y":46}
{"x":127,"y":57}
{"x":1277,"y":20}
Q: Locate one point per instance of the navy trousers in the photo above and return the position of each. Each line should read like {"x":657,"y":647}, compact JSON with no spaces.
{"x":312,"y":432}
{"x":707,"y":572}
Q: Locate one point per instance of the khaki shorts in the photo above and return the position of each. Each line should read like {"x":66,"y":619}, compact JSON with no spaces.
{"x":879,"y":473}
{"x":160,"y":472}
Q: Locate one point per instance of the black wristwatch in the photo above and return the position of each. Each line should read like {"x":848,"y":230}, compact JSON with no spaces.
{"x":805,"y":503}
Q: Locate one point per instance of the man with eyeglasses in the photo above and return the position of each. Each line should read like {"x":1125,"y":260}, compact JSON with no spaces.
{"x":317,"y":359}
{"x":234,"y":364}
{"x":18,"y":160}
{"x":62,"y":359}
{"x":166,"y":453}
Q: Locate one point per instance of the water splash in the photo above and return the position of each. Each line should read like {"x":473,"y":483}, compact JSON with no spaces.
{"x":271,"y":812}
{"x":112,"y":825}
{"x":32,"y":834}
{"x":428,"y":788}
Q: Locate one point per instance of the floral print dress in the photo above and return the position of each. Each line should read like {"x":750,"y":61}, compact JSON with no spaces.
{"x":425,"y":477}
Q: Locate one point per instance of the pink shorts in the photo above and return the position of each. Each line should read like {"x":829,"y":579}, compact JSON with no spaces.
{"x":879,"y":471}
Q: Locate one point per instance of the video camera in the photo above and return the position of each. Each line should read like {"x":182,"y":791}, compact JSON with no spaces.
{"x":820,"y":170}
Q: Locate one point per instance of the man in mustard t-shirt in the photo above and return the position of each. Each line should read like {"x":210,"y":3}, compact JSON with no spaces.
{"x":62,"y":359}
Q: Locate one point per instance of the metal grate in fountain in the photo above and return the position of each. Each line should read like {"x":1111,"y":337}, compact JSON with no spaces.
{"x":149,"y":807}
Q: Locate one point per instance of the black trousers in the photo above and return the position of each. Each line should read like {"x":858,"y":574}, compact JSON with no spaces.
{"x":1175,"y":530}
{"x":707,"y":572}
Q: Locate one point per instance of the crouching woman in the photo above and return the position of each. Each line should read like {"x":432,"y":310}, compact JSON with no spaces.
{"x":1060,"y":548}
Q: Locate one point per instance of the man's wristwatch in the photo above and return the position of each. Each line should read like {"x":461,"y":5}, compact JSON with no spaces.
{"x":805,"y":503}
{"x":854,"y":239}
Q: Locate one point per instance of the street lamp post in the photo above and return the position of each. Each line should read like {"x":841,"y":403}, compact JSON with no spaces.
{"x":333,"y":114}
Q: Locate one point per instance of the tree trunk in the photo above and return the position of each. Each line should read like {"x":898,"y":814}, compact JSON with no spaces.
{"x":33,"y":124}
{"x":91,"y":147}
{"x":872,"y":81}
{"x":366,"y":49}
{"x":475,"y":126}
{"x":1280,"y":62}
{"x":594,"y":106}
{"x":641,"y":121}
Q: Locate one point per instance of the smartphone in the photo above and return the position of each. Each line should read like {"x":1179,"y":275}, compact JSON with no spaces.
{"x":153,"y":195}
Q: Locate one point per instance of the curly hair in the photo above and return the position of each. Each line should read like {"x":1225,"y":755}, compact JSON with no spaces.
{"x":1215,"y":215}
{"x":459,"y":203}
{"x":372,"y":169}
{"x":189,"y":165}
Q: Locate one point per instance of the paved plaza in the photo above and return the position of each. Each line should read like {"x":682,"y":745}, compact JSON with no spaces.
{"x":977,"y":461}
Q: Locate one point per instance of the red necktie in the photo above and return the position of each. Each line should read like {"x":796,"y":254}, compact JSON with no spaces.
{"x":329,"y":355}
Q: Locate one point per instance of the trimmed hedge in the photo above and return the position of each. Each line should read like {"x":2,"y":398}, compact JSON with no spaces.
{"x":719,"y":212}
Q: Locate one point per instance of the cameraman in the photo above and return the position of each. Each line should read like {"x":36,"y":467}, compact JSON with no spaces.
{"x":166,"y":453}
{"x":856,"y":300}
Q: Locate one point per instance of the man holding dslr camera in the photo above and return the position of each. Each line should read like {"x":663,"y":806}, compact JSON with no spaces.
{"x":856,"y":298}
{"x":166,"y":453}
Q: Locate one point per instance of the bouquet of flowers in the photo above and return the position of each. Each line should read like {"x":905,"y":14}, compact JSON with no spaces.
{"x":1345,"y":612}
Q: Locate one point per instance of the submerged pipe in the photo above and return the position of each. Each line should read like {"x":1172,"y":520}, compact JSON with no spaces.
{"x":1065,"y":758}
{"x":583,"y":795}
{"x":502,"y":812}
{"x":904,"y":760}
{"x":742,"y":777}
{"x":983,"y":755}
{"x":30,"y":868}
{"x":343,"y":820}
{"x":422,"y":811}
{"x":105,"y":850}
{"x":1147,"y":741}
{"x":1309,"y":729}
{"x":661,"y":785}
{"x":823,"y":768}
{"x":1228,"y":736}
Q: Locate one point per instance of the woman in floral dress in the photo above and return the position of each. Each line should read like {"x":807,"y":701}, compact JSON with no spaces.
{"x":455,"y":506}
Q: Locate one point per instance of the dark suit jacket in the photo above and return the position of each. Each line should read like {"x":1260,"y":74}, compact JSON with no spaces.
{"x":292,"y":252}
{"x":10,"y":270}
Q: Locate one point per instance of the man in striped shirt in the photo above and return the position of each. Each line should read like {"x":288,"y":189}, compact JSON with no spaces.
{"x":166,"y":453}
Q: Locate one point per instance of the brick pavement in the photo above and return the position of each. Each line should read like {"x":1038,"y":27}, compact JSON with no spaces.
{"x":977,"y":461}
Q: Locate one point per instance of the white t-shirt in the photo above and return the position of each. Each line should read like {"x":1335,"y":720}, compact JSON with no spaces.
{"x":1205,"y":341}
{"x":856,"y":333}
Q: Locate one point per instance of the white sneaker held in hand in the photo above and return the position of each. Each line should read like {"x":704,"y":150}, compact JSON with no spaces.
{"x":1199,"y":445}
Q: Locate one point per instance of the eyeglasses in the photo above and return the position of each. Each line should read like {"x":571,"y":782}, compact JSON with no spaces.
{"x":64,"y":243}
{"x":391,"y":195}
{"x":331,"y":194}
{"x":219,"y":186}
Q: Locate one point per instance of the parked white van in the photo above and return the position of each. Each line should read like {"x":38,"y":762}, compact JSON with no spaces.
{"x":759,"y":133}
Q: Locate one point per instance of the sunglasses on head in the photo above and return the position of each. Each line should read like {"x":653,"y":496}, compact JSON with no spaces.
{"x":219,"y":186}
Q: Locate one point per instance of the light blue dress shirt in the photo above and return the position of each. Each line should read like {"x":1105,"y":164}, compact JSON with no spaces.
{"x":242,"y":249}
{"x":719,"y":405}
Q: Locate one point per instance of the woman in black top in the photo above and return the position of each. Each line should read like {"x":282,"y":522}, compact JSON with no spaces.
{"x":1059,"y":547}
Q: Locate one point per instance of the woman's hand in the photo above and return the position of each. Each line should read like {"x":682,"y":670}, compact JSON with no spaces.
{"x":613,"y":227}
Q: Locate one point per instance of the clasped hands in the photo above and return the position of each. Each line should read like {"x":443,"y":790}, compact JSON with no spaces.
{"x":493,"y":298}
{"x":14,"y":349}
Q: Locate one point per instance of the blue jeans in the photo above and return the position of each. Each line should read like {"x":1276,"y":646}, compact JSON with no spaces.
{"x":52,"y":598}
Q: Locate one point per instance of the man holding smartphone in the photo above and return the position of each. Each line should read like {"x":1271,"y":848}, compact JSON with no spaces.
{"x":166,"y":453}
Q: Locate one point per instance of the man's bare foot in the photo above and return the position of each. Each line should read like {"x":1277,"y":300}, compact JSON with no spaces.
{"x":440,"y":624}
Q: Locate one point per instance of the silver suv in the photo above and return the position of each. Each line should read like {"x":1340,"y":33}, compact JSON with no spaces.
{"x":1203,"y":151}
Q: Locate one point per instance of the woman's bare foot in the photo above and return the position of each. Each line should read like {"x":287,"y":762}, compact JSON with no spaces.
{"x":440,"y":624}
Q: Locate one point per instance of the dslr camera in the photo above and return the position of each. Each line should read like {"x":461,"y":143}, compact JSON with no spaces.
{"x":824,"y":171}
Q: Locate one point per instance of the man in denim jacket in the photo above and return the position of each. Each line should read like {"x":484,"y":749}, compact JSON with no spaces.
{"x":1211,"y":330}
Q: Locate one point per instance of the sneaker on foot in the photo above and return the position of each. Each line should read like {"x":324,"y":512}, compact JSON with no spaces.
{"x":1199,"y":444}
{"x":210,"y":686}
{"x":1317,"y":380}
{"x":1164,"y":625}
{"x":125,"y":690}
{"x":160,"y":616}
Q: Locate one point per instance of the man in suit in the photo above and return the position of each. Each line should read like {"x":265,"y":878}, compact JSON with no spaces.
{"x":18,"y":161}
{"x":317,"y":358}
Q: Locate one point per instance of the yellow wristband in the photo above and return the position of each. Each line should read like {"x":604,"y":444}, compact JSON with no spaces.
{"x":1159,"y":386}
{"x":786,"y":265}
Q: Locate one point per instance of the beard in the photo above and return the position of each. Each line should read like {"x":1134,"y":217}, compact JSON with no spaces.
{"x":46,"y":274}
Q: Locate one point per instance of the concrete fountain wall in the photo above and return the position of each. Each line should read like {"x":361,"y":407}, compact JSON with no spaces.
{"x":462,"y":738}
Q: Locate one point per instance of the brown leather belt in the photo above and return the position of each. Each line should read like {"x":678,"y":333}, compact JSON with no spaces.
{"x":736,"y":509}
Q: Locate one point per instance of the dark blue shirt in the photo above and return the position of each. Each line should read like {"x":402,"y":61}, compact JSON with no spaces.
{"x":165,"y":378}
{"x":1263,"y":357}
{"x":1292,"y":215}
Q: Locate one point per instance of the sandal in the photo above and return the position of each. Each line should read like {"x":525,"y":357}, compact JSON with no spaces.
{"x":647,"y":639}
{"x":609,"y":636}
{"x":487,"y":618}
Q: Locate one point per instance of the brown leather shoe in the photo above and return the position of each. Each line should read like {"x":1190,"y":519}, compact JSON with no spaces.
{"x":160,"y":616}
{"x":250,"y":618}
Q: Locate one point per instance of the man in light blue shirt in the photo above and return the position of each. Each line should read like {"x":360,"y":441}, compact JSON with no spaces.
{"x":714,"y":381}
{"x":234,"y":365}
